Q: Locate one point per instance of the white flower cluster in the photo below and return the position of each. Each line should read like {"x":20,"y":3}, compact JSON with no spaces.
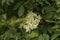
{"x":32,"y":21}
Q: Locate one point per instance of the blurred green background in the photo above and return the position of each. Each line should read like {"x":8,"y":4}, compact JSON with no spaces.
{"x":13,"y":13}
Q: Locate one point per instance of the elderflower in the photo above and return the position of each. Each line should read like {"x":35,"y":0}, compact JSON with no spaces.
{"x":32,"y":21}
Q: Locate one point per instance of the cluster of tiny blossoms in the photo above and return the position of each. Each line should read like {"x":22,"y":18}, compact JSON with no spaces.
{"x":32,"y":21}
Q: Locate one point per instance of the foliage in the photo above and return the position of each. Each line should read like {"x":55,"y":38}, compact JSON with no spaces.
{"x":29,"y":20}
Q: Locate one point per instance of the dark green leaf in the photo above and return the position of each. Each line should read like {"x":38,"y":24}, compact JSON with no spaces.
{"x":54,"y":36}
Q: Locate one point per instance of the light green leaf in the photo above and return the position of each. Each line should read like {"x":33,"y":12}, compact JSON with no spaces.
{"x":3,"y":1}
{"x":46,"y":37}
{"x":21,"y":11}
{"x":41,"y":37}
{"x":33,"y":35}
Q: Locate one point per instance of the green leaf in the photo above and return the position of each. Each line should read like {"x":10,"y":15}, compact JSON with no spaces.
{"x":17,"y":6}
{"x":49,"y":9}
{"x":54,"y":36}
{"x":33,"y":35}
{"x":11,"y":1}
{"x":57,"y":0}
{"x":21,"y":11}
{"x":3,"y":1}
{"x":56,"y":27}
{"x":46,"y":37}
{"x":57,"y":16}
{"x":58,"y":11}
{"x":41,"y":37}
